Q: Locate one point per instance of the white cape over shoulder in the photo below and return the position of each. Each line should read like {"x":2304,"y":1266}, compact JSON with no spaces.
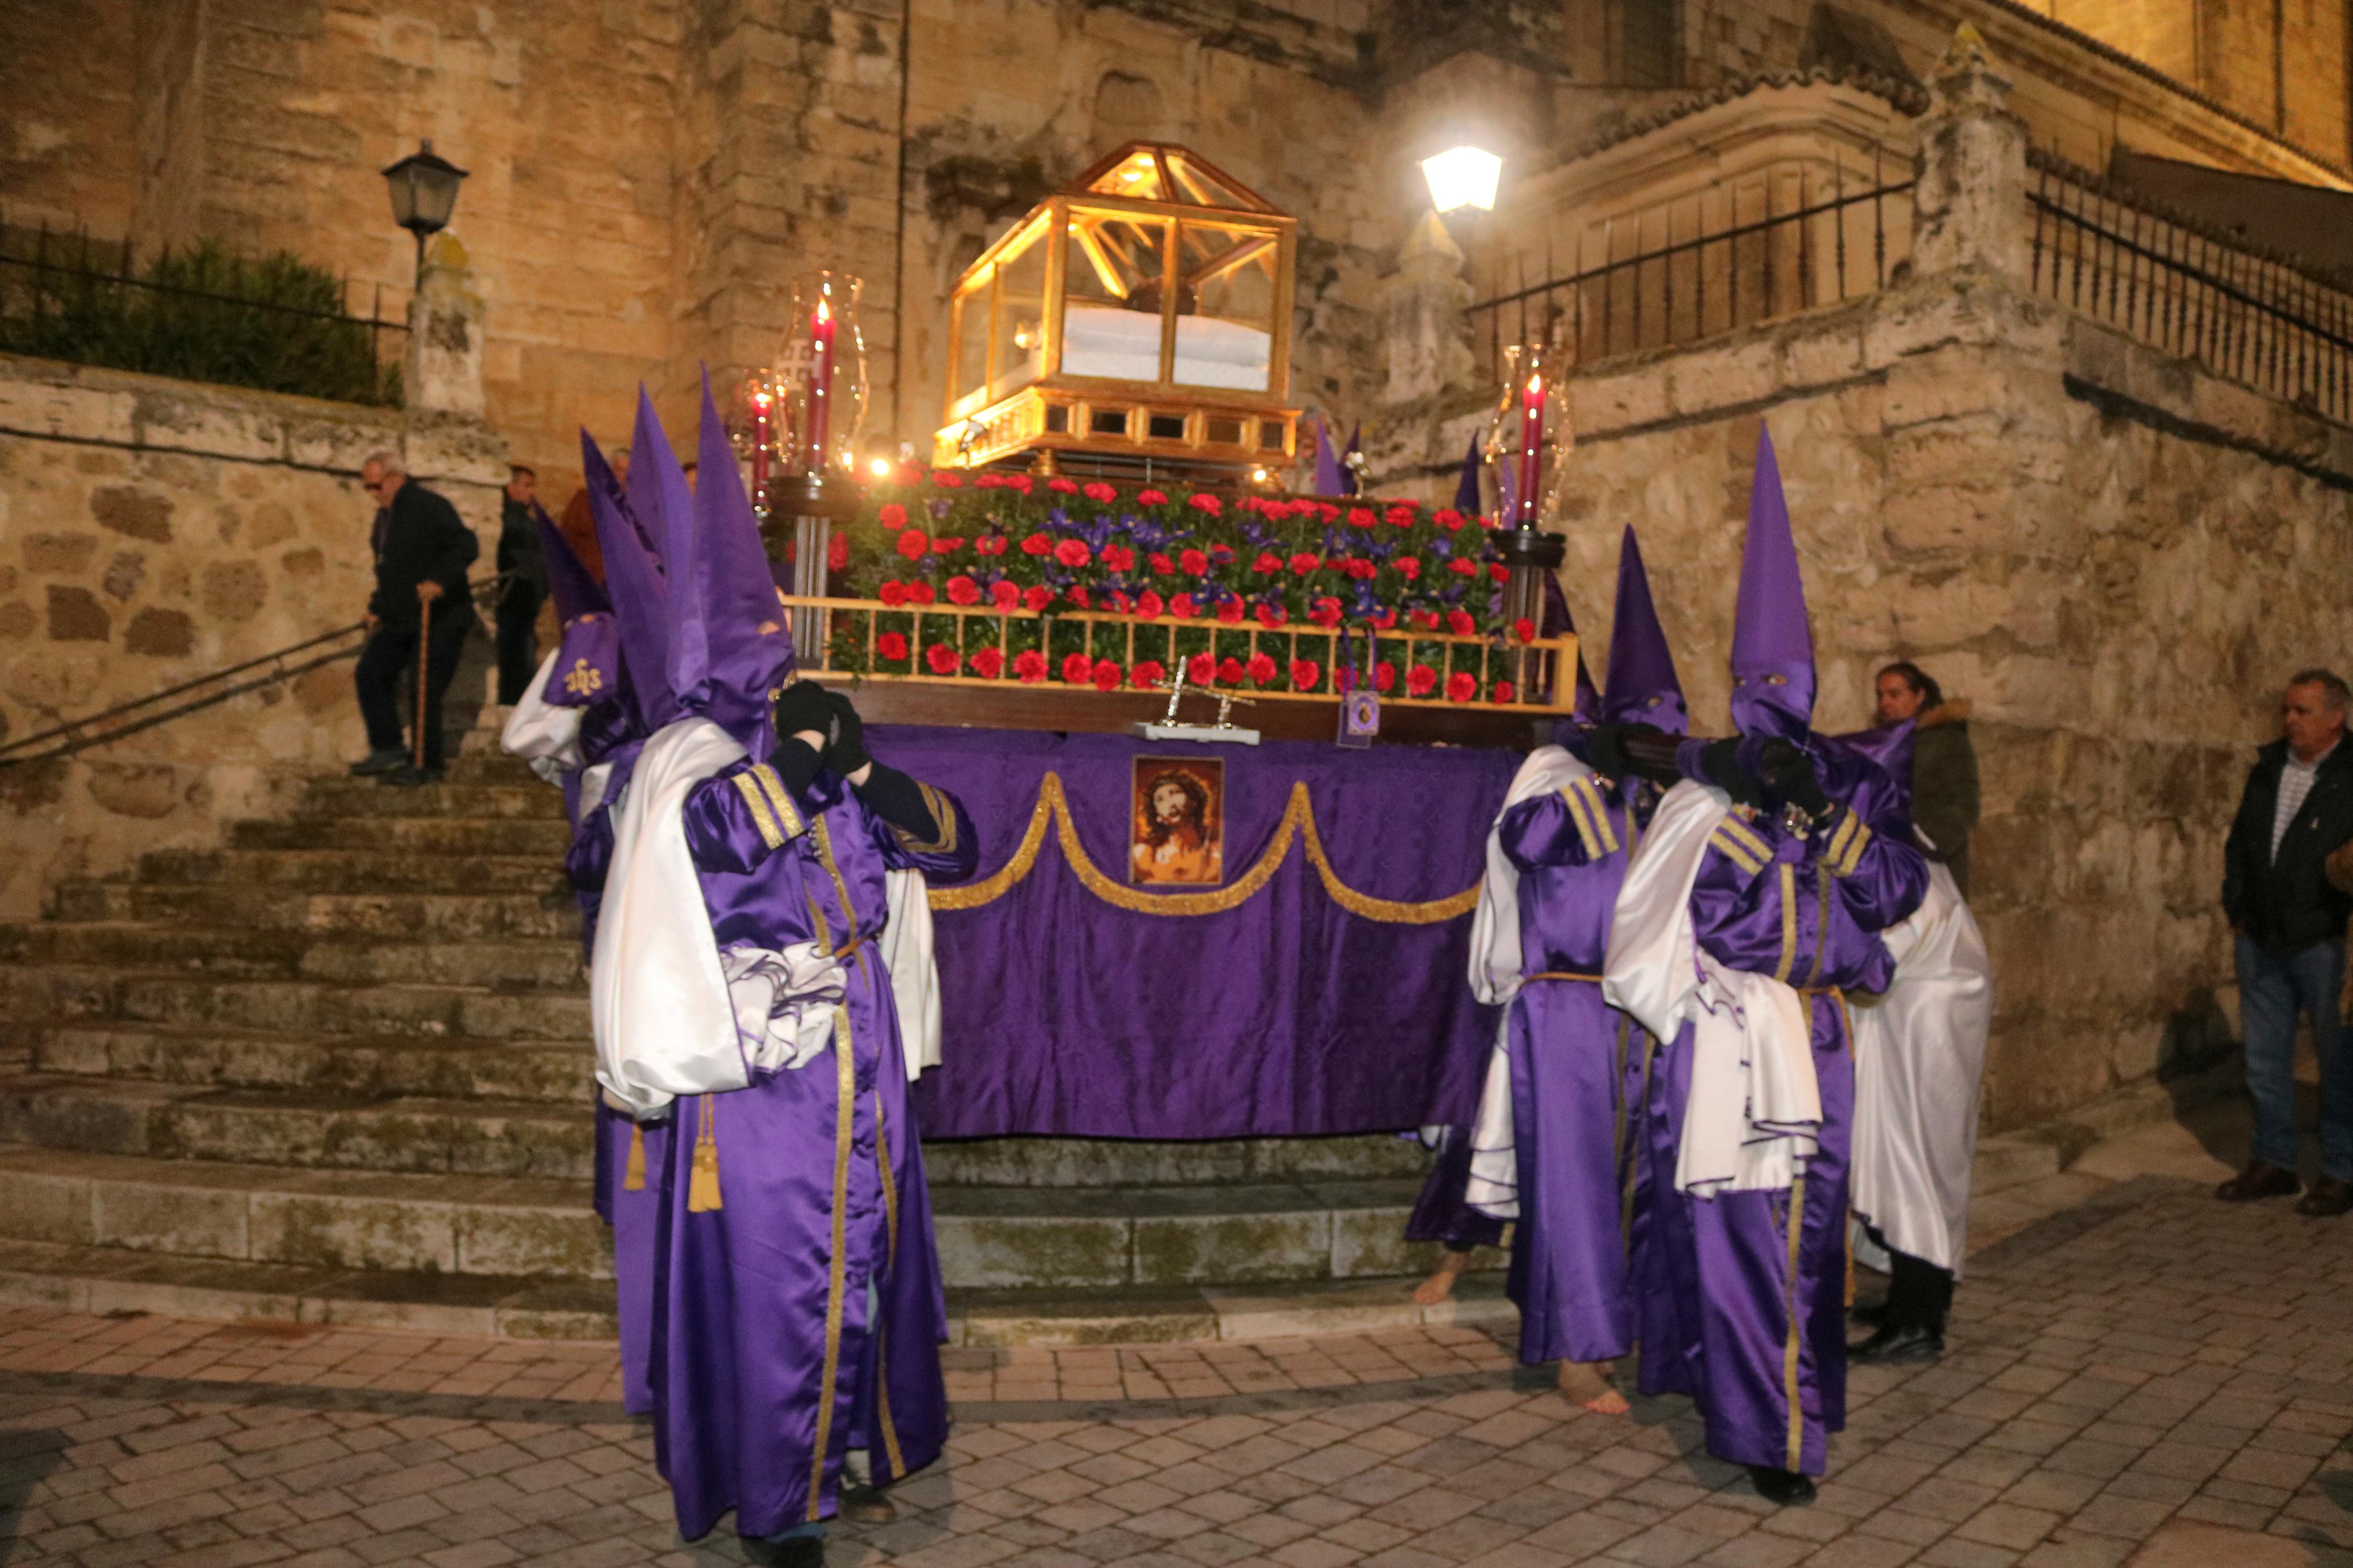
{"x":914,"y":970}
{"x":546,"y":736}
{"x":1919,"y":1055}
{"x":1496,"y":972}
{"x":1754,"y":1113}
{"x":672,"y":1015}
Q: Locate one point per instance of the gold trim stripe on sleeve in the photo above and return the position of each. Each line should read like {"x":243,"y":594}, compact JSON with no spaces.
{"x":1848,"y":822}
{"x":845,"y":1084}
{"x":1599,"y":805}
{"x":1748,"y":837}
{"x":1855,"y":847}
{"x":787,"y":812}
{"x":1298,"y":823}
{"x":1578,"y":813}
{"x":1789,"y":922}
{"x":762,"y":817}
{"x":1733,"y":850}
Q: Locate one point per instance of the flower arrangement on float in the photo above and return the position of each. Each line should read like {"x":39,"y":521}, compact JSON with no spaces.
{"x":988,"y":576}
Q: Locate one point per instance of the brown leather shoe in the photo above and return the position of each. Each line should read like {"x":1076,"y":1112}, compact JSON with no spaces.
{"x":2259,"y":1181}
{"x":2329,"y":1197}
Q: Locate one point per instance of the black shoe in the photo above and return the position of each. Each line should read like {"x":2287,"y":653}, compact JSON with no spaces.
{"x":1898,"y":1345}
{"x":406,"y":777}
{"x":1782,"y":1489}
{"x":2259,"y":1180}
{"x":1870,"y":1314}
{"x":376,"y":763}
{"x":2329,"y":1198}
{"x":867,"y":1505}
{"x":791,"y":1552}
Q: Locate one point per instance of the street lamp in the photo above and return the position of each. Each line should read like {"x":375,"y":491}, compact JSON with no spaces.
{"x":1462,"y":177}
{"x":424,"y":190}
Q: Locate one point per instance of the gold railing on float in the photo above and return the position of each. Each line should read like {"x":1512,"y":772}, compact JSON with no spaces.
{"x":1125,"y":639}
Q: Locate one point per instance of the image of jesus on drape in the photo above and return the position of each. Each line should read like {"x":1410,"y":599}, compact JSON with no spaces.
{"x":800,"y":1317}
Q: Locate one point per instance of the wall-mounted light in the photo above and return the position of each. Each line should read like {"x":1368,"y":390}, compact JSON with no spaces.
{"x":424,"y":188}
{"x":1462,"y":177}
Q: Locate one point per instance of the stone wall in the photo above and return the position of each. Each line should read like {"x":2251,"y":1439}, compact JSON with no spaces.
{"x":154,"y":530}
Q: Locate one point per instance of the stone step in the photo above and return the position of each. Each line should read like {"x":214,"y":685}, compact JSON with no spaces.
{"x":542,"y":838}
{"x":486,"y":764}
{"x":1124,"y":1162}
{"x":227,"y":951}
{"x":298,"y":1007}
{"x":1136,"y":1315}
{"x":470,"y":1137}
{"x":359,"y":1066}
{"x":355,"y":870}
{"x":445,"y":916}
{"x":366,"y":799}
{"x":204,"y":1209}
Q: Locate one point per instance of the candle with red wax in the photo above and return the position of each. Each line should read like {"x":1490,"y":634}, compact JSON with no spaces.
{"x":821,"y":328}
{"x":1531,"y":422}
{"x":760,"y":448}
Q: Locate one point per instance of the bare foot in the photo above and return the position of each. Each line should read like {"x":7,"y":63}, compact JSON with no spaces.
{"x":1441,"y":1285}
{"x":1587,"y":1385}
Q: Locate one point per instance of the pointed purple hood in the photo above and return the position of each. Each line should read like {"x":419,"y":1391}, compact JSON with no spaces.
{"x":1772,"y":642}
{"x":728,"y":597}
{"x":1328,"y":478}
{"x":1585,"y":708}
{"x":640,"y":595}
{"x":1642,"y":688}
{"x":588,"y":661}
{"x":1466,"y":489}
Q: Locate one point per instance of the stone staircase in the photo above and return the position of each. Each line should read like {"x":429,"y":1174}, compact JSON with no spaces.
{"x":338,"y":1071}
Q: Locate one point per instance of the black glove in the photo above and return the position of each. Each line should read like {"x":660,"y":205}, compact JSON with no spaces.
{"x":803,"y":705}
{"x":1720,"y":761}
{"x":1632,"y":751}
{"x":846,"y":754}
{"x":1788,"y":774}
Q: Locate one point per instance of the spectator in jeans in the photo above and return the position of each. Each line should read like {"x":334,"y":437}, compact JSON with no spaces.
{"x":422,"y":550}
{"x":525,"y":570}
{"x":1944,"y":762}
{"x":2288,"y":921}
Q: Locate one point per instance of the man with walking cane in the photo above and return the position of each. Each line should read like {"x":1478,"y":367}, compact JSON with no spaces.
{"x":419,"y":616}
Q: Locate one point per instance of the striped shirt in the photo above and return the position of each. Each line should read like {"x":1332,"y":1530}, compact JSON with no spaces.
{"x":2295,"y":783}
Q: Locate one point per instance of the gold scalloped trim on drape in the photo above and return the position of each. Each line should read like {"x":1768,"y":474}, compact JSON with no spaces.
{"x":1053,"y":808}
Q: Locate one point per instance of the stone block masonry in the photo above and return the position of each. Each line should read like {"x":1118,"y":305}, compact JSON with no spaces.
{"x":152,"y":530}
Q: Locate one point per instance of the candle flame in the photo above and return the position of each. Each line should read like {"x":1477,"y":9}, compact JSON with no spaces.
{"x":822,"y":313}
{"x":1536,"y":384}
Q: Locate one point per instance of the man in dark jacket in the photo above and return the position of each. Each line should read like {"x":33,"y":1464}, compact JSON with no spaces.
{"x":1944,"y":763}
{"x":2288,"y":921}
{"x":422,"y":550}
{"x":525,"y":570}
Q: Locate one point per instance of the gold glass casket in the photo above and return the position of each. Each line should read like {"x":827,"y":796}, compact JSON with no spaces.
{"x":1142,"y":312}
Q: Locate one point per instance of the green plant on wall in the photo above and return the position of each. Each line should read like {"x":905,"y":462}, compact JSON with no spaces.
{"x":199,"y":314}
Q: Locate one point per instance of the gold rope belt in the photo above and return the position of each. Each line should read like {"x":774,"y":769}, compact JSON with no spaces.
{"x":1566,"y":975}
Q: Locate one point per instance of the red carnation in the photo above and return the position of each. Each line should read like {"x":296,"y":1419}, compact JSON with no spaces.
{"x":1461,"y":686}
{"x":1407,"y":567}
{"x":893,"y":593}
{"x":913,"y":545}
{"x":1119,"y":558}
{"x":1037,"y":544}
{"x":1078,"y":669}
{"x":1447,"y":517}
{"x":1229,"y":609}
{"x":1037,"y":596}
{"x":1161,"y":565}
{"x":1420,"y":680}
{"x":1107,"y":675}
{"x":1201,"y":501}
{"x":921,"y":592}
{"x":1271,"y":616}
{"x":1231,"y":671}
{"x":963,"y":590}
{"x":1077,"y":596}
{"x":946,"y":546}
{"x":1324,"y":612}
{"x":837,"y":552}
{"x":1384,"y":675}
{"x":1201,"y":670}
{"x":1151,"y":498}
{"x":1384,"y":618}
{"x":988,"y":482}
{"x":1505,"y":692}
{"x":1030,"y":665}
{"x":1262,"y":667}
{"x":1073,"y":553}
{"x":1194,"y":563}
{"x":894,"y":515}
{"x":1426,"y":619}
{"x":891,"y":646}
{"x":1463,"y":566}
{"x":1304,"y":674}
{"x":990,"y":544}
{"x":1398,"y":516}
{"x":1100,"y":493}
{"x":1500,"y":572}
{"x":1360,"y":517}
{"x":943,"y":659}
{"x":1018,"y":483}
{"x":1361,"y":569}
{"x":1146,"y":674}
{"x":1006,"y":594}
{"x":989,"y":664}
{"x":1119,"y":603}
{"x":1306,"y":560}
{"x":1149,"y":604}
{"x":1325,"y":510}
{"x":945,"y":480}
{"x":1182,"y":607}
{"x":1524,"y":629}
{"x":1460,"y":623}
{"x":1062,"y":486}
{"x":1268,"y":560}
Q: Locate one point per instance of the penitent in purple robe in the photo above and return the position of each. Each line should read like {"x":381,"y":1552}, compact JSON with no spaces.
{"x":1721,"y":1314}
{"x":1577,"y":1064}
{"x":803,"y":1316}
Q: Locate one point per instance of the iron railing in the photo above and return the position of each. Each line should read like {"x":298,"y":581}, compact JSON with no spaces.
{"x":1788,"y":239}
{"x":2268,"y":321}
{"x":141,"y":713}
{"x":66,"y":296}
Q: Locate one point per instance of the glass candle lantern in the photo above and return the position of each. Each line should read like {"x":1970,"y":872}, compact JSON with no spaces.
{"x":820,"y":374}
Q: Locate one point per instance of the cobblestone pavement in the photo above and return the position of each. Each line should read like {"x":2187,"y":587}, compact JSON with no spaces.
{"x":2124,"y":1374}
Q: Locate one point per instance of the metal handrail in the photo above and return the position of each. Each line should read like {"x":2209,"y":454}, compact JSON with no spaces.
{"x":76,"y":740}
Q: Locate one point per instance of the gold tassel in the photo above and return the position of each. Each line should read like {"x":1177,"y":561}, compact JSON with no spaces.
{"x":702,"y":1185}
{"x":633,"y":1180}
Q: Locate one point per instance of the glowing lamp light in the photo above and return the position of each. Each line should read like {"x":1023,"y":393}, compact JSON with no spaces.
{"x":880,"y":467}
{"x":1463,"y":177}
